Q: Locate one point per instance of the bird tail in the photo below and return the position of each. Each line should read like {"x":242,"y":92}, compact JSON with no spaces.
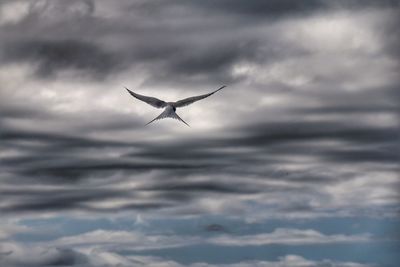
{"x":168,"y":114}
{"x":175,"y":116}
{"x":159,"y":117}
{"x":152,"y":121}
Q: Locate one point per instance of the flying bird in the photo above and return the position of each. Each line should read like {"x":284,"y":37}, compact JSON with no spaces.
{"x":170,"y":107}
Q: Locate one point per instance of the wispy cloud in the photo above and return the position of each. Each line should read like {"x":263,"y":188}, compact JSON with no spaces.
{"x":28,"y":256}
{"x":287,"y":237}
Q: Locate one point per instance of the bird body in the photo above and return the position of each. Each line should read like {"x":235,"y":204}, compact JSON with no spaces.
{"x":169,"y":107}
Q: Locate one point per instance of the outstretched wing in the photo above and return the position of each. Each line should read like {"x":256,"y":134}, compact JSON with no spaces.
{"x":155,"y":102}
{"x":190,"y":100}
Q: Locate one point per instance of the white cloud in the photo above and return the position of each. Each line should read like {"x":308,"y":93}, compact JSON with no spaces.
{"x":336,"y":32}
{"x":9,"y":228}
{"x":287,"y":261}
{"x":288,"y":236}
{"x":14,"y":254}
{"x":13,"y":12}
{"x":136,"y":240}
{"x":17,"y":255}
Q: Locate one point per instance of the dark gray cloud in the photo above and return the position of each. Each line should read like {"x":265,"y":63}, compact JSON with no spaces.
{"x":272,"y":145}
{"x":196,"y":53}
{"x":52,"y":56}
{"x":258,"y":9}
{"x":264,"y":8}
{"x":216,"y":228}
{"x":181,"y":58}
{"x":15,"y":110}
{"x":32,"y":201}
{"x":46,"y":257}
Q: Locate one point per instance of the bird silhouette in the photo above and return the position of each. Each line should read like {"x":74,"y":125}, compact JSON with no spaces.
{"x":170,"y":107}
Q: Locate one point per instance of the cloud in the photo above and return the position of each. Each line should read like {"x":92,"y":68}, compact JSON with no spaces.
{"x":138,"y":241}
{"x":112,"y":42}
{"x":260,"y":10}
{"x":290,"y":261}
{"x":52,"y":56}
{"x":9,"y":229}
{"x":287,"y":237}
{"x":271,"y":9}
{"x":215,"y":228}
{"x":40,"y":256}
{"x":21,"y":255}
{"x":169,"y":167}
{"x":14,"y":12}
{"x":101,"y":247}
{"x":286,"y":261}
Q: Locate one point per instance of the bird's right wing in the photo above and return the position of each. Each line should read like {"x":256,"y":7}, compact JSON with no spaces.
{"x":190,"y":100}
{"x":155,"y":102}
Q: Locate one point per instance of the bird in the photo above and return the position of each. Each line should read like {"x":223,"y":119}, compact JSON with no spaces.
{"x":170,"y":107}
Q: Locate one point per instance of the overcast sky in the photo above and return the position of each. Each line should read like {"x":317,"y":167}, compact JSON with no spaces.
{"x":294,"y":163}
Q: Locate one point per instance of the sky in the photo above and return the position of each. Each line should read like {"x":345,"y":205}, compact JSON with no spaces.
{"x":295,"y":163}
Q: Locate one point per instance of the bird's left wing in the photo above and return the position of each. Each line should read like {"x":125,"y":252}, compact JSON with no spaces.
{"x":155,"y":102}
{"x":190,"y":100}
